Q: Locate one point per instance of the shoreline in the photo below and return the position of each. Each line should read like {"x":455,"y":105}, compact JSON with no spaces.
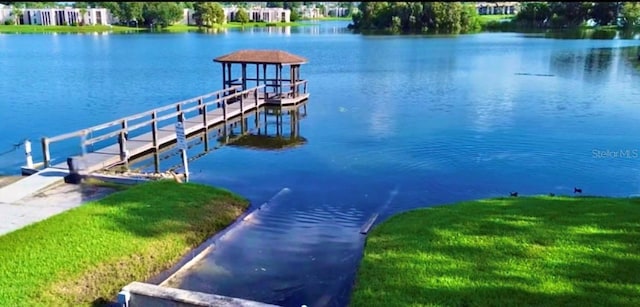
{"x":131,"y":235}
{"x":501,"y":251}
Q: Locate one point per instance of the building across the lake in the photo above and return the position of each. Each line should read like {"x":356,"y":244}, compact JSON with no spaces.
{"x":260,"y":14}
{"x":56,"y":16}
{"x":256,"y":14}
{"x":497,"y":8}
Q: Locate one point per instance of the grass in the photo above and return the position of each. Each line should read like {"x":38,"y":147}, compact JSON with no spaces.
{"x":487,"y":18}
{"x":64,"y":29}
{"x":85,"y":255}
{"x":349,"y":18}
{"x":542,"y":251}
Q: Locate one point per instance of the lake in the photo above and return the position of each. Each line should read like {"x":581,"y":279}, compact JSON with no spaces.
{"x":393,"y":123}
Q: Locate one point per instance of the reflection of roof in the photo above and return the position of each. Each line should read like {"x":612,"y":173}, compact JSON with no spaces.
{"x":268,"y":142}
{"x":261,"y":57}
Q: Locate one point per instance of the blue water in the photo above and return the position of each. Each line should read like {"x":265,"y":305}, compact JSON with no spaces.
{"x":394,"y":123}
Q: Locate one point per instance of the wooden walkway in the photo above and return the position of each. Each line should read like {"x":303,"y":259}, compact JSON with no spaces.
{"x":208,"y":110}
{"x":157,"y":129}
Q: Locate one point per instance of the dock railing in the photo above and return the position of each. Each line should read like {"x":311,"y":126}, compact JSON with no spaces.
{"x":150,"y":119}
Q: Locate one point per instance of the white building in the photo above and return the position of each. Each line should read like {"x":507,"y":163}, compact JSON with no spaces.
{"x":57,"y":16}
{"x":5,"y":13}
{"x":310,"y":12}
{"x":260,"y":14}
{"x":497,"y":8}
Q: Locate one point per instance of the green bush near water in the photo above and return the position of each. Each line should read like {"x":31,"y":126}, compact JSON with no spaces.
{"x":84,"y":256}
{"x":531,"y":251}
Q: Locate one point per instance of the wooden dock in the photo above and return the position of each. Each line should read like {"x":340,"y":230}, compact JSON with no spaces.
{"x":208,"y":110}
{"x":122,"y":140}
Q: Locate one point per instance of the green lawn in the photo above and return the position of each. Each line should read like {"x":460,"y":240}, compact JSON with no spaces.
{"x":87,"y":254}
{"x":531,"y":251}
{"x":63,"y":29}
{"x":487,"y":18}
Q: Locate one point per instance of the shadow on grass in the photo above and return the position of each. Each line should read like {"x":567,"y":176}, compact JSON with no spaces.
{"x":551,"y":251}
{"x":157,"y":212}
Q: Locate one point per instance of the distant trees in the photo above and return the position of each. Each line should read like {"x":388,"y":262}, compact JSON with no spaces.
{"x":573,"y":14}
{"x":161,"y":14}
{"x":631,"y":14}
{"x":17,"y":14}
{"x":242,"y":16}
{"x":209,"y":13}
{"x":439,"y":17}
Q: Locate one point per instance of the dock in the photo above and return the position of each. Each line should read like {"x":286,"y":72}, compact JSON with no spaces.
{"x":123,"y":139}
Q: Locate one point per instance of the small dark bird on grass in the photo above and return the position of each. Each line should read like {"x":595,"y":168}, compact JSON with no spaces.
{"x":552,"y":194}
{"x":576,"y":190}
{"x":513,"y":194}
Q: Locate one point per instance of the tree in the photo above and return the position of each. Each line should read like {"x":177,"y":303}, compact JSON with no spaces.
{"x":242,"y":16}
{"x":209,"y":13}
{"x":603,"y":13}
{"x":83,"y":12}
{"x":17,"y":14}
{"x":294,"y":16}
{"x":631,"y":14}
{"x":161,"y":14}
{"x":131,"y":11}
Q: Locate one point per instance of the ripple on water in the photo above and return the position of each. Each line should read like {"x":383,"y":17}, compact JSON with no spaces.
{"x":292,"y":231}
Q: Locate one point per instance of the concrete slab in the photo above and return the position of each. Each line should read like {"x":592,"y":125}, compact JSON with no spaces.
{"x":47,"y":203}
{"x":29,"y":185}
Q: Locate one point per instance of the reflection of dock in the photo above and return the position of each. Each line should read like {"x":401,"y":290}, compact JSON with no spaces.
{"x":255,"y":130}
{"x":119,"y":141}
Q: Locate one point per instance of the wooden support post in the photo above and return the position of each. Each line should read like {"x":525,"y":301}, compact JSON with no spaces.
{"x":203,"y":111}
{"x":27,"y":153}
{"x":280,"y":79}
{"x":123,"y":147}
{"x":224,"y":109}
{"x":257,"y":75}
{"x":179,"y":110}
{"x":124,"y":128}
{"x":244,"y":76}
{"x":255,"y":96}
{"x":224,"y":77}
{"x":264,"y":79}
{"x":154,"y":130}
{"x":46,"y":155}
{"x":242,"y":103}
{"x":229,"y":73}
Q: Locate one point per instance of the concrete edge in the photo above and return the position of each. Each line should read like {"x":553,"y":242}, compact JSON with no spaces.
{"x":207,"y":246}
{"x":142,"y":294}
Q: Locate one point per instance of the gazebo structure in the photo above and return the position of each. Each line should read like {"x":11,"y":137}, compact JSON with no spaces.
{"x":279,"y":88}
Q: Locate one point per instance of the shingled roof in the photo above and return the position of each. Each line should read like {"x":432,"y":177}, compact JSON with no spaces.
{"x":261,"y":57}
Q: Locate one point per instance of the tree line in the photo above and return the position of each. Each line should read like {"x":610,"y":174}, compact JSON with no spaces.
{"x":161,"y":14}
{"x":574,"y":14}
{"x":437,"y":17}
{"x":457,"y":17}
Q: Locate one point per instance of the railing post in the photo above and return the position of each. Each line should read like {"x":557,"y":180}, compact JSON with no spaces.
{"x":224,"y":109}
{"x":242,"y":102}
{"x":154,"y":129}
{"x":124,"y":128}
{"x":123,"y":146}
{"x":204,"y":116}
{"x":305,"y":86}
{"x":218,"y":98}
{"x":45,"y":152}
{"x":27,"y":153}
{"x":255,"y":96}
{"x":179,"y":109}
{"x":200,"y":105}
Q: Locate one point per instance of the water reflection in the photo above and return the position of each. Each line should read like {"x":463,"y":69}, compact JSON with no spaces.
{"x":271,"y":128}
{"x":593,"y":34}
